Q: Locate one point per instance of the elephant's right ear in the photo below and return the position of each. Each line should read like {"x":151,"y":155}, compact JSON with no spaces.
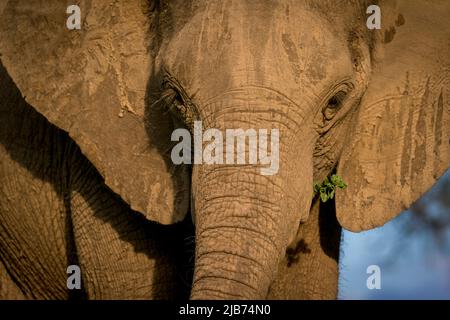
{"x":399,"y":144}
{"x":93,"y":83}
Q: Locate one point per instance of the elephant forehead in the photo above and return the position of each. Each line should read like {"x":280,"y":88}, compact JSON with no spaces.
{"x":286,"y":47}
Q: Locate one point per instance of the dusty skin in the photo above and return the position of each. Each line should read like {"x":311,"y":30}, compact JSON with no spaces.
{"x":86,"y":118}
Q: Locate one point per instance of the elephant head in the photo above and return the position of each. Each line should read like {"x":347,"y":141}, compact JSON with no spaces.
{"x":372,"y":105}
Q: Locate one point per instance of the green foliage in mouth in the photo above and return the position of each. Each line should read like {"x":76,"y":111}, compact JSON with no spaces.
{"x":327,"y":188}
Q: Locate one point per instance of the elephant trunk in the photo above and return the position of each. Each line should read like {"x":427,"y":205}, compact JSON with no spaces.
{"x":237,"y":237}
{"x":244,"y":219}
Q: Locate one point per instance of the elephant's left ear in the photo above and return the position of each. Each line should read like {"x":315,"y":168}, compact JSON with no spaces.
{"x":87,"y":69}
{"x":400,"y":143}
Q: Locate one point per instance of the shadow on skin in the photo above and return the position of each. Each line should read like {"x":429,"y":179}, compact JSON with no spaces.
{"x":329,"y":235}
{"x":165,"y":244}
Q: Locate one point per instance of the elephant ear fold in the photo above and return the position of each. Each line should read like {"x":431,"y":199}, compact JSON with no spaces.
{"x":399,"y":144}
{"x":92,"y":82}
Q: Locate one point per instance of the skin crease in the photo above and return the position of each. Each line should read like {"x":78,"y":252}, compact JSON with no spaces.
{"x":106,"y":196}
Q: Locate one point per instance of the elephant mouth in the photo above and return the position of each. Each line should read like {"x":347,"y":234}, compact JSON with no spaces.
{"x":232,"y":282}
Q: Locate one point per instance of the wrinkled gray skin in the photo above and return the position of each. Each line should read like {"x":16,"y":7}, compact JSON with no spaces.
{"x":344,"y":99}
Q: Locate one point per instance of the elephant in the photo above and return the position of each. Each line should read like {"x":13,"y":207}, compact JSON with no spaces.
{"x":87,"y":114}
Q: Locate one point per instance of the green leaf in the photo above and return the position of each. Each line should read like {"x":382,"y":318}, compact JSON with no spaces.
{"x":331,"y":195}
{"x":328,"y":187}
{"x":316,"y":187}
{"x":335,"y":179}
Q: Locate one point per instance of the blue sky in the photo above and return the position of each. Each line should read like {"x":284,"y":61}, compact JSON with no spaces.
{"x":413,"y":266}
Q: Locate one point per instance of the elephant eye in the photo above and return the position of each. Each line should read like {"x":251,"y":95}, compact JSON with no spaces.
{"x":176,"y":100}
{"x":334,"y":104}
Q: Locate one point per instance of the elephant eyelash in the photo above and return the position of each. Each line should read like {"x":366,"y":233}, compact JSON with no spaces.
{"x":175,"y":99}
{"x":334,"y":104}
